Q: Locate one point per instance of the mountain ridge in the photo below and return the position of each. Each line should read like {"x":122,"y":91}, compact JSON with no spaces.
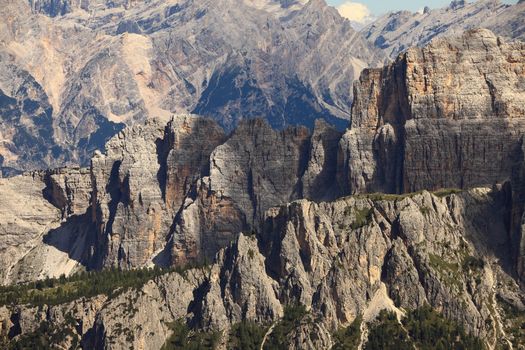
{"x":119,"y":65}
{"x":395,"y":32}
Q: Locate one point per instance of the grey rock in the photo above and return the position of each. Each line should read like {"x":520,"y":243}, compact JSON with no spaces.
{"x":396,"y":32}
{"x":259,"y":167}
{"x":141,"y":182}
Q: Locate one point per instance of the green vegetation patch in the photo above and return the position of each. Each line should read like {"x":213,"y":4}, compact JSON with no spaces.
{"x":387,"y":333}
{"x":471,"y":263}
{"x":184,"y":338}
{"x":514,"y":322}
{"x":449,"y":271}
{"x":53,"y":291}
{"x":446,"y":192}
{"x":246,"y":335}
{"x":423,"y":329}
{"x":46,"y":336}
{"x":425,"y":211}
{"x":428,"y":330}
{"x":362,"y":218}
{"x":349,"y":337}
{"x":279,"y":337}
{"x":377,"y":196}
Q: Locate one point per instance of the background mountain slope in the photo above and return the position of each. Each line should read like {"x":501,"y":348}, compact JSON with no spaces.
{"x":397,"y":31}
{"x":98,"y":66}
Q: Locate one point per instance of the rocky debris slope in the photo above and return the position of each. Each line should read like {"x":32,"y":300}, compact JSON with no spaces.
{"x":396,"y":32}
{"x":342,"y":259}
{"x":87,"y":69}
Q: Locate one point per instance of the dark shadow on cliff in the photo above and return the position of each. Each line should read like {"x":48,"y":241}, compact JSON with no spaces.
{"x":487,"y":226}
{"x":76,"y":237}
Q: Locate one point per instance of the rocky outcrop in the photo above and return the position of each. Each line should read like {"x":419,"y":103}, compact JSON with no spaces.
{"x":342,"y":259}
{"x":319,"y":181}
{"x":38,"y":240}
{"x":69,"y":189}
{"x":23,"y":195}
{"x":254,"y":170}
{"x":258,"y":167}
{"x":396,"y":32}
{"x":141,"y":318}
{"x":141,"y":182}
{"x":176,"y":193}
{"x":448,"y":115}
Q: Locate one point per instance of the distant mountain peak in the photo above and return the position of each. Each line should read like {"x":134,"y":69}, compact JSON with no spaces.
{"x":457,"y":4}
{"x":397,"y":31}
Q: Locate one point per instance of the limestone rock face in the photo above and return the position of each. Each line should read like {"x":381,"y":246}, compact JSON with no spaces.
{"x":419,"y":124}
{"x":75,"y":73}
{"x":351,"y":257}
{"x":255,"y":169}
{"x":140,"y":317}
{"x":259,"y":167}
{"x":207,"y":222}
{"x":23,"y":195}
{"x":320,"y":178}
{"x":140,"y":184}
{"x":37,"y":241}
{"x":396,"y":32}
{"x":69,"y":189}
{"x":144,"y":323}
{"x":128,"y":196}
{"x":245,"y":290}
{"x":175,"y":193}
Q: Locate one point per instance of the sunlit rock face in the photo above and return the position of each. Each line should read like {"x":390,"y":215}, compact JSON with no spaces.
{"x":447,"y":115}
{"x":87,"y":69}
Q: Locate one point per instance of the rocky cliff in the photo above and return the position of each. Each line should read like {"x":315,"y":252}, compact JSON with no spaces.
{"x":75,"y":73}
{"x":166,"y":194}
{"x":264,"y":213}
{"x":448,"y":115}
{"x":343,"y":259}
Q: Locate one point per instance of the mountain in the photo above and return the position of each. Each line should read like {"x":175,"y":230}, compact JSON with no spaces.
{"x":73,"y":74}
{"x":397,"y":31}
{"x":341,"y":259}
{"x":291,"y":237}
